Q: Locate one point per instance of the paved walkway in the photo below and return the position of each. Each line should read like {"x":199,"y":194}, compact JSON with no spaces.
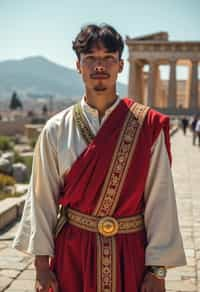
{"x":17,"y":271}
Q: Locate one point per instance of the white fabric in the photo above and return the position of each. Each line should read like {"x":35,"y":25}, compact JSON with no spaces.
{"x":165,"y":245}
{"x":58,"y":147}
{"x":197,"y":128}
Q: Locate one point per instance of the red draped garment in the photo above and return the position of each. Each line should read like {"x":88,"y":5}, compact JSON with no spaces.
{"x":75,"y":249}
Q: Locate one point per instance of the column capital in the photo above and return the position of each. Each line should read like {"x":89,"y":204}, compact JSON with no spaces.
{"x":173,"y":60}
{"x":194,"y":61}
{"x":133,"y":60}
{"x":152,"y":61}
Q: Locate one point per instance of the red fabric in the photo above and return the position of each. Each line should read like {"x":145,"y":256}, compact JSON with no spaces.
{"x":159,"y":121}
{"x":75,"y":249}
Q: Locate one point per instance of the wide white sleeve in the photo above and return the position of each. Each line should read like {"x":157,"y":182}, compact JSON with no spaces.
{"x":164,"y":241}
{"x":35,"y":233}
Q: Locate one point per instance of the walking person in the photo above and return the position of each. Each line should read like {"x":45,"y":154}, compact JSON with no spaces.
{"x":101,"y":203}
{"x":197,"y":130}
{"x":193,"y":129}
{"x":185,"y":123}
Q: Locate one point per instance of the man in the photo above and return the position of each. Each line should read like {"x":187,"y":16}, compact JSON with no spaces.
{"x":197,"y":129}
{"x":106,"y":163}
{"x":193,"y":129}
{"x":185,"y":123}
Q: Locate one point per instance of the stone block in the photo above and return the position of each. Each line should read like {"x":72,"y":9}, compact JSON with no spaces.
{"x":4,"y":282}
{"x":183,"y":285}
{"x":22,"y":285}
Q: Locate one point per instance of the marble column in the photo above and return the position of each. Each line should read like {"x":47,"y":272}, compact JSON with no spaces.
{"x":135,"y":81}
{"x":172,"y":85}
{"x":158,"y":89}
{"x":194,"y":85}
{"x":131,"y":79}
{"x":153,"y":67}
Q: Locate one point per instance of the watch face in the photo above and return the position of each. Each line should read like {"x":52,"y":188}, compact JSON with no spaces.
{"x":161,"y":272}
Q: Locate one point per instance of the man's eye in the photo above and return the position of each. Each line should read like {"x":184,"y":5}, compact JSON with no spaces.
{"x":110,"y":59}
{"x":90,"y":58}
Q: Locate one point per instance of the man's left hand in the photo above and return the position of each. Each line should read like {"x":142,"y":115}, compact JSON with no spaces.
{"x":152,"y":284}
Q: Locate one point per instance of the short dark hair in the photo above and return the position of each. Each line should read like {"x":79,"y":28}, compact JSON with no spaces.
{"x":92,"y":33}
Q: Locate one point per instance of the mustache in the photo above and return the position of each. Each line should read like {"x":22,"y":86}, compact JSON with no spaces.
{"x":99,"y":75}
{"x":99,"y":88}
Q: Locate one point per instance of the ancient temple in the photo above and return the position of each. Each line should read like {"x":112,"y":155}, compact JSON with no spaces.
{"x":155,"y":50}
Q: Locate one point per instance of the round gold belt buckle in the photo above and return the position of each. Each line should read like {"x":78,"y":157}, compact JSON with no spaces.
{"x":108,"y":226}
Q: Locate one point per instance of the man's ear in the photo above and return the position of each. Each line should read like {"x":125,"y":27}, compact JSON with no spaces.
{"x":121,"y":65}
{"x":78,"y":66}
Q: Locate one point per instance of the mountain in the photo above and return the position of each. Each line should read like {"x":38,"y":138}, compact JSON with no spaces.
{"x":39,"y":77}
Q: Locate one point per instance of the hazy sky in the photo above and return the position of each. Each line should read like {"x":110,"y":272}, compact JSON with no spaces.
{"x":47,"y":27}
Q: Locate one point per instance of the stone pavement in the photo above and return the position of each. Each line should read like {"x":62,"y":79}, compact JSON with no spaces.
{"x":17,"y":271}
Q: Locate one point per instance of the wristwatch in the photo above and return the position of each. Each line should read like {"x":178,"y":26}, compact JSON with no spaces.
{"x":159,"y":272}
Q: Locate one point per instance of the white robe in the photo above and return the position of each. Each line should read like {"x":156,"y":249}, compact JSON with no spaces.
{"x":59,"y":145}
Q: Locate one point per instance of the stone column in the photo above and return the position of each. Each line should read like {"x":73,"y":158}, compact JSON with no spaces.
{"x":135,"y":82}
{"x":172,"y":85}
{"x":153,"y":67}
{"x":158,"y":88}
{"x":194,"y":85}
{"x":131,"y":81}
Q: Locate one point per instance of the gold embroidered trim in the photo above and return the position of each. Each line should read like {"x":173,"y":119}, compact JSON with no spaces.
{"x":82,"y":124}
{"x":121,"y":160}
{"x":106,"y":246}
{"x":91,"y":223}
{"x":106,"y":264}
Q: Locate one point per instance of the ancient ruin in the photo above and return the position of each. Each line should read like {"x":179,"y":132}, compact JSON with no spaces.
{"x":147,"y":87}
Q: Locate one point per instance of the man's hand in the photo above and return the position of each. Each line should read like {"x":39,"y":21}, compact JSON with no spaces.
{"x":45,"y":278}
{"x":152,"y":284}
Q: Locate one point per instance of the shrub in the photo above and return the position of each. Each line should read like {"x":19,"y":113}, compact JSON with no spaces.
{"x":18,"y":158}
{"x":5,"y":143}
{"x":6,"y":180}
{"x":5,"y":196}
{"x":33,"y":142}
{"x":27,"y":160}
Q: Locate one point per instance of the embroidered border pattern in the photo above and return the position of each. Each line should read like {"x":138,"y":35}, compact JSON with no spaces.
{"x":82,"y":124}
{"x":90,"y":223}
{"x":106,"y":247}
{"x":106,"y":264}
{"x":121,"y":159}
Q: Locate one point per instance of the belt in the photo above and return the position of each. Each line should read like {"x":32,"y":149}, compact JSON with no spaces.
{"x":106,"y":226}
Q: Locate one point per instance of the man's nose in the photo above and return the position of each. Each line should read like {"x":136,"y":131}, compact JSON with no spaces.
{"x":100,"y":65}
{"x":99,"y":68}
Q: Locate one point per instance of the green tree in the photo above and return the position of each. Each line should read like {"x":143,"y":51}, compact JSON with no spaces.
{"x":15,"y":102}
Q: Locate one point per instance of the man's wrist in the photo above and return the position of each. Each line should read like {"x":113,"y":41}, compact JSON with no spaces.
{"x":41,"y":262}
{"x":159,"y":272}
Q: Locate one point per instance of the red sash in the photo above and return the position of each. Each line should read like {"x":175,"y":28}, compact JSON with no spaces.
{"x":75,"y":248}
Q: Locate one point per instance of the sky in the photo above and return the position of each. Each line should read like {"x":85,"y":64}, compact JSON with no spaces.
{"x":47,"y":27}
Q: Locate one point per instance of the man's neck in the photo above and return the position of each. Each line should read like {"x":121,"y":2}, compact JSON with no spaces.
{"x":101,"y":102}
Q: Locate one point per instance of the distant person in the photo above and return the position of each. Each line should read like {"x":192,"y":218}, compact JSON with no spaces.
{"x":193,"y":129}
{"x":45,"y":110}
{"x":197,"y":129}
{"x":30,"y":114}
{"x":185,"y":123}
{"x":103,"y":165}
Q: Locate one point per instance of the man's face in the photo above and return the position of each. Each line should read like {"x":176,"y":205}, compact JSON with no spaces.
{"x":99,"y":68}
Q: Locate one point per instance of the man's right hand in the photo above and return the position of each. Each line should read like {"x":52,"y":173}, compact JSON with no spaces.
{"x":45,"y":280}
